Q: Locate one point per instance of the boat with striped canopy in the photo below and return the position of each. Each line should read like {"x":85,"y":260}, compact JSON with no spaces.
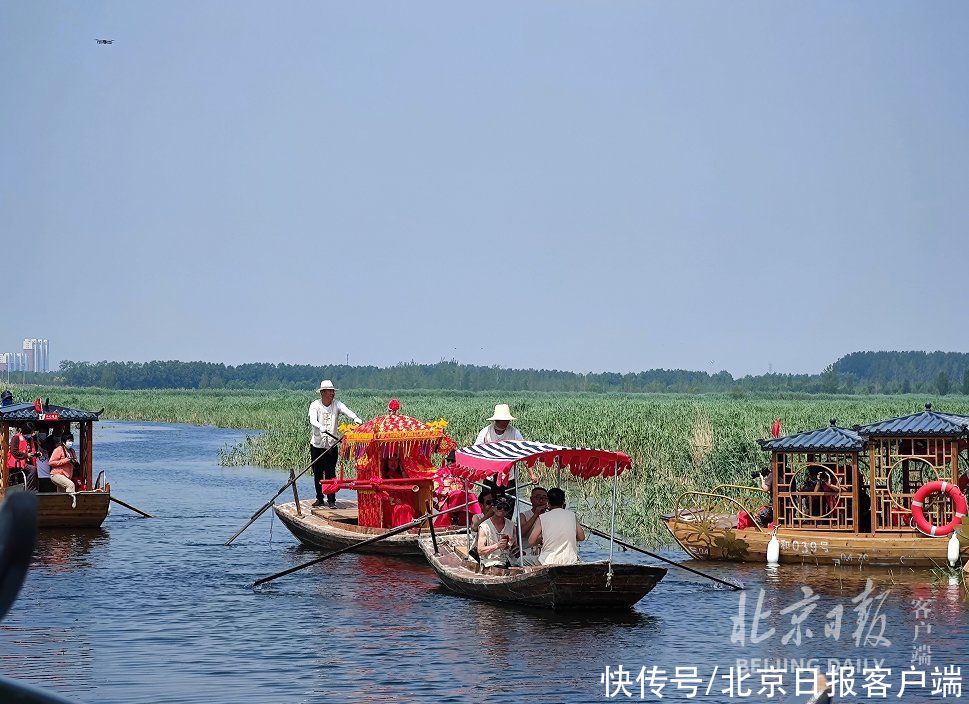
{"x":603,"y":584}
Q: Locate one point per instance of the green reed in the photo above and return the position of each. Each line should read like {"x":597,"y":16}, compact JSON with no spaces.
{"x":677,"y":443}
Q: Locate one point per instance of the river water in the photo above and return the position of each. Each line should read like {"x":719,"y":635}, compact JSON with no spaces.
{"x":159,"y":611}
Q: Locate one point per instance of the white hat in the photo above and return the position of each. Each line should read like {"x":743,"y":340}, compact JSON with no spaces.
{"x":327,"y":385}
{"x":502,"y":412}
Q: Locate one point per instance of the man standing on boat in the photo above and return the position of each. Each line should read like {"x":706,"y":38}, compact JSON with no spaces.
{"x":499,"y":430}
{"x":500,"y":427}
{"x":324,"y":416}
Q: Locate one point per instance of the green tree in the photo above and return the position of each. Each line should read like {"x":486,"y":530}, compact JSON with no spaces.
{"x":965,"y":382}
{"x":829,"y":380}
{"x":942,"y":383}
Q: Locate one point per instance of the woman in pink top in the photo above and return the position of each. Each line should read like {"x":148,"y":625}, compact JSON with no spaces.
{"x":62,"y":462}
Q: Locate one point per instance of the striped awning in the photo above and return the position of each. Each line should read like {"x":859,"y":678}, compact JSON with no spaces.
{"x":478,"y":462}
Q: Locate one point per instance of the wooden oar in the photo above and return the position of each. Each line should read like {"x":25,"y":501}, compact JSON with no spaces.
{"x":284,"y":487}
{"x":629,"y":546}
{"x":130,"y":507}
{"x":396,"y":531}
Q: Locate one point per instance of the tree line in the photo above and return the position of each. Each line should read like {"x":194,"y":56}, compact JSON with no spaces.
{"x":858,"y":372}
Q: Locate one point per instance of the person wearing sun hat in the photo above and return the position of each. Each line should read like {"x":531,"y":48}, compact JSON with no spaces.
{"x":324,"y":416}
{"x":500,"y":428}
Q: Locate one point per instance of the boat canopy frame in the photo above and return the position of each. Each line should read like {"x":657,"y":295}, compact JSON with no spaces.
{"x":15,"y":416}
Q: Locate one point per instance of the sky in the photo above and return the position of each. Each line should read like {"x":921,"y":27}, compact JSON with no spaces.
{"x":587,"y":186}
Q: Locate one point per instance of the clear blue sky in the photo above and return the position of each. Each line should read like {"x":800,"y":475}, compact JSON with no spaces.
{"x":587,"y":186}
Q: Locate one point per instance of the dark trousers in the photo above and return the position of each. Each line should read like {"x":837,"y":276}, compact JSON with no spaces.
{"x":324,"y":468}
{"x":32,"y":478}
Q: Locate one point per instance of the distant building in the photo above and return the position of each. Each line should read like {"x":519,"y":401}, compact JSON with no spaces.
{"x":35,"y":357}
{"x":29,"y":354}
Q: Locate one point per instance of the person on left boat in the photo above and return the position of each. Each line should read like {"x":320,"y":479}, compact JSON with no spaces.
{"x":324,"y":416}
{"x":22,"y":455}
{"x":44,"y":483}
{"x":62,"y":462}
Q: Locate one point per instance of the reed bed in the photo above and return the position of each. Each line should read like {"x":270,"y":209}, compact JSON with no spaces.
{"x":677,"y":443}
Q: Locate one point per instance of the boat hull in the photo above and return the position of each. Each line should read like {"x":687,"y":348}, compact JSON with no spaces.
{"x":336,"y":529}
{"x":57,"y":511}
{"x":581,"y":586}
{"x":709,"y":540}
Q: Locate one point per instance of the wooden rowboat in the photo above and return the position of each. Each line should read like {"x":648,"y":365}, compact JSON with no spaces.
{"x":715,"y":537}
{"x":842,"y":496}
{"x":336,"y":528}
{"x":562,"y":587}
{"x":56,"y":509}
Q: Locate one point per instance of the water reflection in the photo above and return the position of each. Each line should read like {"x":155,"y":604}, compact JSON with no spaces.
{"x":65,"y":550}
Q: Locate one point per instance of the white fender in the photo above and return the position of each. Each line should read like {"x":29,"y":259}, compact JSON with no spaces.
{"x":952,"y":550}
{"x":773,"y":550}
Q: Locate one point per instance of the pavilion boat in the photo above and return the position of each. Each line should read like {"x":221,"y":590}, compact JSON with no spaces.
{"x":87,"y":508}
{"x":582,"y":586}
{"x":885,"y":494}
{"x":384,"y":500}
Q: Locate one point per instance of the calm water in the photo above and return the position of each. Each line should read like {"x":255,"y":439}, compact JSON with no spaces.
{"x":159,"y":611}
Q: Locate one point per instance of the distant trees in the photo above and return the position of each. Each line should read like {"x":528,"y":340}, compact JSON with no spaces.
{"x":942,"y":383}
{"x":859,"y":372}
{"x":904,"y":372}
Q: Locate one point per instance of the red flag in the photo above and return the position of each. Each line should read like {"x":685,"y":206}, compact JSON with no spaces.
{"x":775,"y":429}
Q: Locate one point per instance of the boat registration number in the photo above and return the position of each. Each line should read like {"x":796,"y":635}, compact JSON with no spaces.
{"x":805,"y":547}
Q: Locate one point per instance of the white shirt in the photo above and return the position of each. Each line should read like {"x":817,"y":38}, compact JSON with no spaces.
{"x":529,"y":549}
{"x":491,"y":534}
{"x":559,"y":545}
{"x":488,"y":436}
{"x":326,"y":418}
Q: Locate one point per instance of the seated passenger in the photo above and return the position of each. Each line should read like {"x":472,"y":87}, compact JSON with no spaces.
{"x":496,"y":536}
{"x":820,"y":479}
{"x":528,"y":519}
{"x":62,"y":462}
{"x":558,"y":531}
{"x":393,"y":468}
{"x":486,"y":500}
{"x":44,"y":483}
{"x":464,"y":503}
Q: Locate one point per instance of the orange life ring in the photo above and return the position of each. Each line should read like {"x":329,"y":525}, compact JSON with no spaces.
{"x":958,"y":498}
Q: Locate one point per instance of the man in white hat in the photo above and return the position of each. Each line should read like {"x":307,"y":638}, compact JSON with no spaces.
{"x":500,"y":428}
{"x":324,"y":417}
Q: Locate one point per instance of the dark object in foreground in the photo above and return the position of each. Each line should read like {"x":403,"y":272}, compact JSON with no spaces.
{"x":583,"y":586}
{"x":18,"y":533}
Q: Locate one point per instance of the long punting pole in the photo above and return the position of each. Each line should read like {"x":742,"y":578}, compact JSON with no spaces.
{"x":283,"y":488}
{"x":396,"y":531}
{"x":630,"y":546}
{"x":518,"y":522}
{"x":130,"y":507}
{"x":430,"y":510}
